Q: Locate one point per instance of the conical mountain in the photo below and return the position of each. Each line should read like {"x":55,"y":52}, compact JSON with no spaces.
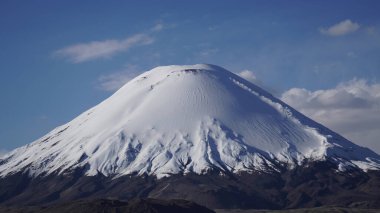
{"x":183,"y":119}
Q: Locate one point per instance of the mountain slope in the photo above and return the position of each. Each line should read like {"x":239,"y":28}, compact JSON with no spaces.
{"x":318,"y":184}
{"x":181,"y":119}
{"x":111,"y":206}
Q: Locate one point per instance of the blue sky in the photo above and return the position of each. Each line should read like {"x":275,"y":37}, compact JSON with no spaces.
{"x":59,"y":58}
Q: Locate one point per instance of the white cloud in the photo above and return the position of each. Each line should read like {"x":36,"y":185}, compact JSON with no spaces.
{"x":342,"y":28}
{"x":248,"y":75}
{"x":352,"y":109}
{"x":115,"y":81}
{"x":102,"y":49}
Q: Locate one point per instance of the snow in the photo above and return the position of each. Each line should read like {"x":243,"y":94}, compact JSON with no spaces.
{"x":181,"y":119}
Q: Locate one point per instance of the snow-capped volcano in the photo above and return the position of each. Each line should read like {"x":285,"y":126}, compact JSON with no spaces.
{"x":180,"y":119}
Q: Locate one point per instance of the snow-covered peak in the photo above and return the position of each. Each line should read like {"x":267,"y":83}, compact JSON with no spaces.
{"x":180,"y":119}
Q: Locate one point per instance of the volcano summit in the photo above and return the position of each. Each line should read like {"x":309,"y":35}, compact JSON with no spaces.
{"x":184,"y":121}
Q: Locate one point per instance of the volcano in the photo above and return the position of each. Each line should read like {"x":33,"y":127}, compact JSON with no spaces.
{"x":179,"y":122}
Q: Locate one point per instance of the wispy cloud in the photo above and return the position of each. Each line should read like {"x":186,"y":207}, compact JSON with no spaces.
{"x":248,"y":75}
{"x":341,"y":28}
{"x":161,"y":25}
{"x":3,"y":152}
{"x":102,"y":49}
{"x":352,"y":109}
{"x":158,"y":27}
{"x":208,"y":52}
{"x":116,"y":80}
